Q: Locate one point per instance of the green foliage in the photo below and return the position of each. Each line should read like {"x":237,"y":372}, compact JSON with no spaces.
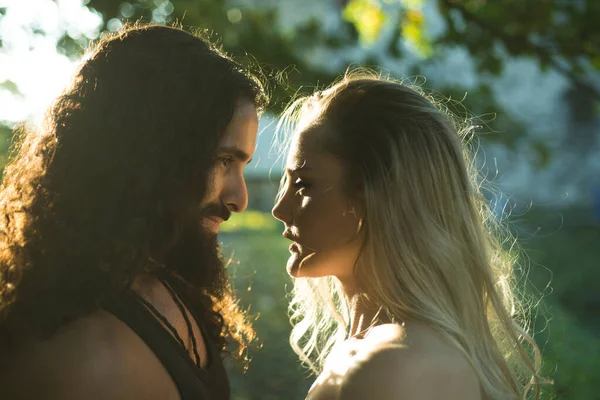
{"x":565,"y":242}
{"x":367,"y":16}
{"x":10,"y":86}
{"x":413,"y":30}
{"x":246,"y":33}
{"x":370,"y":16}
{"x":561,"y":35}
{"x":5,"y":138}
{"x":543,"y":30}
{"x":479,"y":26}
{"x":562,"y":251}
{"x":571,"y":356}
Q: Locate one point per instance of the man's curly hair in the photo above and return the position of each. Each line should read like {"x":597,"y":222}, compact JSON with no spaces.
{"x":101,"y":193}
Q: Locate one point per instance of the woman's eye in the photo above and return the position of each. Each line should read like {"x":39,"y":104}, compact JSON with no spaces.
{"x":299,"y":185}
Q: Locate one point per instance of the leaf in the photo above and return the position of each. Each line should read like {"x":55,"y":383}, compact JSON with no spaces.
{"x":10,"y":86}
{"x":69,"y":46}
{"x":413,"y":32}
{"x":412,"y":3}
{"x":543,"y":154}
{"x":492,"y":64}
{"x":368,"y":18}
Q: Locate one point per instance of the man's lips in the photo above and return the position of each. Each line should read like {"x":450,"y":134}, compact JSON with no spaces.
{"x":213,"y":223}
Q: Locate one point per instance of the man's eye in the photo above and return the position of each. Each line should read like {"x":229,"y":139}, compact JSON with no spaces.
{"x":225,"y":161}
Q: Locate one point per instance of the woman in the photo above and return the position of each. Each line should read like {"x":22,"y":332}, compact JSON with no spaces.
{"x":410,"y":293}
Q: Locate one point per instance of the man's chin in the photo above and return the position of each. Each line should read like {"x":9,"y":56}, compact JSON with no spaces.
{"x":197,"y":259}
{"x":210,"y":235}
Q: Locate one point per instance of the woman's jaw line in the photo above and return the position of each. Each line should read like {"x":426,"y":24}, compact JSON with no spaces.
{"x":294,"y":268}
{"x":296,"y":260}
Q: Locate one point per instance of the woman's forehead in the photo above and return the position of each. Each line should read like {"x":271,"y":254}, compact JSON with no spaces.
{"x":306,"y":144}
{"x":308,"y":154}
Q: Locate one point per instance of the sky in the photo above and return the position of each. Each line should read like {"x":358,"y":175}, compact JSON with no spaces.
{"x":29,"y":60}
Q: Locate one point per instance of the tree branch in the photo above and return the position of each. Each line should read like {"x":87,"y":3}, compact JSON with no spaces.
{"x":507,"y":39}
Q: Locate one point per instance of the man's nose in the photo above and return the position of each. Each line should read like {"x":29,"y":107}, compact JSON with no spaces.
{"x":236,"y":195}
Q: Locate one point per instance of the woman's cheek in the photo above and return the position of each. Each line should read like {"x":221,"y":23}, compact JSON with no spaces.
{"x":317,"y":225}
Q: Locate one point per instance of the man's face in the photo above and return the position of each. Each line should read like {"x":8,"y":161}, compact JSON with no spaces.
{"x":226,"y":191}
{"x":196,"y":256}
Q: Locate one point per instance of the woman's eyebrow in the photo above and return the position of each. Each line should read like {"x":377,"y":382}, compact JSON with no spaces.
{"x":302,"y":167}
{"x":298,"y":169}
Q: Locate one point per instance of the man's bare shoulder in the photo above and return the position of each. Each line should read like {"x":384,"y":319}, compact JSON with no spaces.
{"x":95,"y":357}
{"x":396,"y":365}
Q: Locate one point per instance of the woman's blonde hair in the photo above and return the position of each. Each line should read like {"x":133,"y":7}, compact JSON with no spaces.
{"x":433,"y":251}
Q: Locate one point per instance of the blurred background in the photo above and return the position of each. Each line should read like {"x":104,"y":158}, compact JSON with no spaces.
{"x":528,"y":71}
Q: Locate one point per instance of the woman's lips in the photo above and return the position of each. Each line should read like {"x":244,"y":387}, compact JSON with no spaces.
{"x":294,"y":248}
{"x":299,"y":250}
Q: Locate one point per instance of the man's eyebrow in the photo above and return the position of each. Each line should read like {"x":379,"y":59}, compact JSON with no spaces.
{"x":237,"y":154}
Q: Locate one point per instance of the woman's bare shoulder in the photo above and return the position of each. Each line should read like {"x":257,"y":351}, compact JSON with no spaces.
{"x":348,"y":356}
{"x":413,"y":361}
{"x":394,"y":360}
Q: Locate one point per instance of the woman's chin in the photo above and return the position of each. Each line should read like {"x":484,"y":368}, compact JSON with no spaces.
{"x":293,"y":270}
{"x":299,"y":266}
{"x":293,"y":265}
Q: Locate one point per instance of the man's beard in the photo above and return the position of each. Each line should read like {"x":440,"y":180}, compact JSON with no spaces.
{"x":197,"y":259}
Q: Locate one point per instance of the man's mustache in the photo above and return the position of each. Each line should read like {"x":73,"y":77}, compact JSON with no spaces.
{"x":218,"y":210}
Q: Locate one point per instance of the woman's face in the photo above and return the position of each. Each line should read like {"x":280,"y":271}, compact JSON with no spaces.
{"x":320,"y":219}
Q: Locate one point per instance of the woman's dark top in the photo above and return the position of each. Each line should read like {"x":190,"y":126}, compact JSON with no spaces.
{"x":193,"y":382}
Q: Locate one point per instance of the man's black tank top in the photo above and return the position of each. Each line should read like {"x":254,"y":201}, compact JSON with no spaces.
{"x":193,"y":382}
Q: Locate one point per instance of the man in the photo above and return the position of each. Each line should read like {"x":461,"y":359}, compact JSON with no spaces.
{"x":111,"y":281}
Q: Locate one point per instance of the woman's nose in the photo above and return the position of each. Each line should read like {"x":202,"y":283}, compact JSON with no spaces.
{"x":279,"y":210}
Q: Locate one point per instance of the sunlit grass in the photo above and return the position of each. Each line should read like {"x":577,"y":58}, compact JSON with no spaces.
{"x":251,"y":220}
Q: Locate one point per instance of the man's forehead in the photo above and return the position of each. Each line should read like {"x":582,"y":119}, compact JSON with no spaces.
{"x":241,"y":132}
{"x":241,"y":140}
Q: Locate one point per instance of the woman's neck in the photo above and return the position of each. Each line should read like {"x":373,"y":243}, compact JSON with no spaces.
{"x":365,"y":315}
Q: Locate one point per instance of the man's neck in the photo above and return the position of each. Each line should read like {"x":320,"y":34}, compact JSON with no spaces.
{"x":154,"y":292}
